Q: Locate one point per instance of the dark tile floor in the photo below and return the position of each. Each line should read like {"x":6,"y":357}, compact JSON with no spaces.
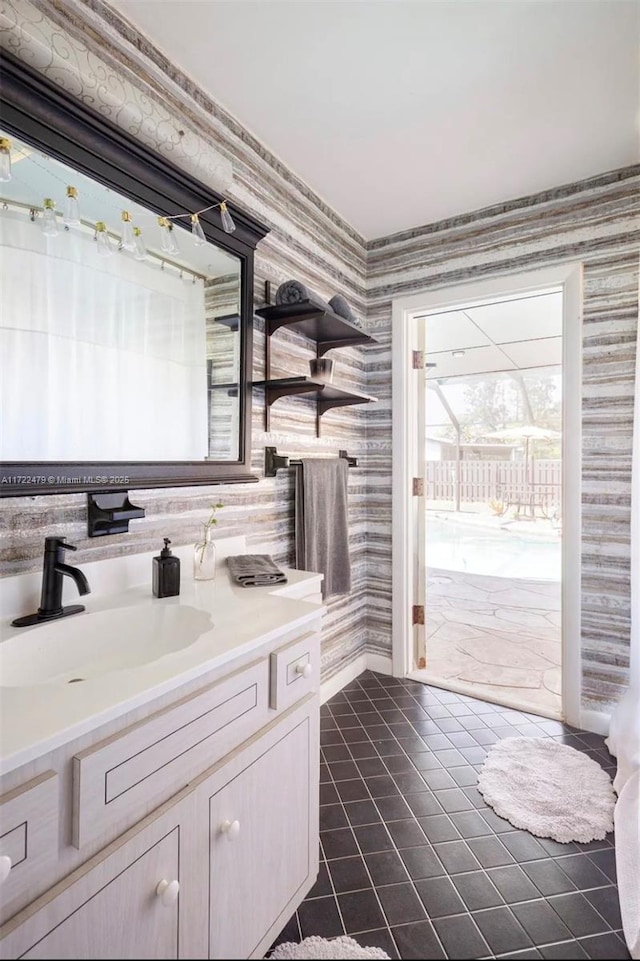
{"x":414,"y":861}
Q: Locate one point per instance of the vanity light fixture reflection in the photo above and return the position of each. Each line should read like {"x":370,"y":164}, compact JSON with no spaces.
{"x":71,"y":216}
{"x":227,"y":220}
{"x":128,"y":241}
{"x":5,"y":159}
{"x":197,"y":231}
{"x":140,"y":251}
{"x":106,"y":246}
{"x":49,"y":224}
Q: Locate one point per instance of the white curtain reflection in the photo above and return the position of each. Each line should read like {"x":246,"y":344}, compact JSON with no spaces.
{"x":101,"y":358}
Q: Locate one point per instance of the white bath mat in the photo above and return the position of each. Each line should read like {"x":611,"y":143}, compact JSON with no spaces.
{"x":548,"y":789}
{"x":323,"y":948}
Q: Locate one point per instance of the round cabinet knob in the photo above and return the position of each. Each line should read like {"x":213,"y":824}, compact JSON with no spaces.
{"x":167,"y":891}
{"x":304,"y":669}
{"x":5,"y":867}
{"x":230,"y":828}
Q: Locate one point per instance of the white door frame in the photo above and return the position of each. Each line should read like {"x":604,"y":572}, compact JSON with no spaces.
{"x":406,"y":383}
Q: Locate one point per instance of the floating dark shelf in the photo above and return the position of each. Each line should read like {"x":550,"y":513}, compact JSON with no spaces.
{"x":326,"y":395}
{"x":327,"y":329}
{"x":232,"y":321}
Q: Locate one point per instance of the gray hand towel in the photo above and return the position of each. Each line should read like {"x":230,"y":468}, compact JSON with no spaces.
{"x":255,"y":570}
{"x":295,"y":292}
{"x":321,"y":522}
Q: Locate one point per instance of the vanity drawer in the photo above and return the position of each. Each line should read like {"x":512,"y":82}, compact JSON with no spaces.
{"x":28,"y":833}
{"x":118,"y":781}
{"x":295,"y":671}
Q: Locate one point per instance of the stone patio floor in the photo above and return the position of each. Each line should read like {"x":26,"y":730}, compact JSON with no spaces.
{"x":495,"y":638}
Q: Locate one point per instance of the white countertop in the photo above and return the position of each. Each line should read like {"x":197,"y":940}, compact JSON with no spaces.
{"x":35,"y":720}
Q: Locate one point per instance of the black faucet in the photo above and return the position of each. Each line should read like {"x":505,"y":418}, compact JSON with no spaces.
{"x":53,"y":571}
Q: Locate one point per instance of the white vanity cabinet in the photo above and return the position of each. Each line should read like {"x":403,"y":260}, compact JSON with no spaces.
{"x":123,"y":903}
{"x":186,"y":831}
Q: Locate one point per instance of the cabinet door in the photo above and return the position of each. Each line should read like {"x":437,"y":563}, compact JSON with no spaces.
{"x":263,"y":841}
{"x":111,"y":907}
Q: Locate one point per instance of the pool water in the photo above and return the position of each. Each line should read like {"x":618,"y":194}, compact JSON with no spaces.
{"x":454,"y":546}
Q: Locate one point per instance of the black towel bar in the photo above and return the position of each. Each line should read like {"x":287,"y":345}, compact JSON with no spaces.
{"x":273,"y":461}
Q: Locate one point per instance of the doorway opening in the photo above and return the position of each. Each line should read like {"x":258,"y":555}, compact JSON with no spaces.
{"x":487,"y":489}
{"x":493,"y":502}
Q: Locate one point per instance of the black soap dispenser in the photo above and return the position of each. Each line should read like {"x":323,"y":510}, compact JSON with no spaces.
{"x":166,"y":572}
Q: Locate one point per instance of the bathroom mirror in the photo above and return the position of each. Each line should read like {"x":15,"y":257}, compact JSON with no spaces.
{"x":125,"y":345}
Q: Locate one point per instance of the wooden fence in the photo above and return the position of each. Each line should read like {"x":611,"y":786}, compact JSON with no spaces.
{"x":482,"y":481}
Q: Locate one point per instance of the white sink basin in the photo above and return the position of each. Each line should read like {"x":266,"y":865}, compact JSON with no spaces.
{"x":84,"y":646}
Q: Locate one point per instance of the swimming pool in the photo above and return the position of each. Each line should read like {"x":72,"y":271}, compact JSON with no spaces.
{"x":454,"y":546}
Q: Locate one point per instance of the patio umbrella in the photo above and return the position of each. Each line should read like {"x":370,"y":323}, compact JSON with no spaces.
{"x":527,"y":433}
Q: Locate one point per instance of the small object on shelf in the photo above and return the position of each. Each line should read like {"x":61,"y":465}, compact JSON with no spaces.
{"x":340,"y":306}
{"x":166,"y":573}
{"x":109,"y":512}
{"x":295,"y":292}
{"x":273,"y":461}
{"x":322,"y":368}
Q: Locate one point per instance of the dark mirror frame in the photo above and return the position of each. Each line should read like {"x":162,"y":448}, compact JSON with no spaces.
{"x":38,"y":111}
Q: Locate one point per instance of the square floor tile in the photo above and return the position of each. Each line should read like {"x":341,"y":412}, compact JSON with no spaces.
{"x":328,"y":794}
{"x":606,"y":862}
{"x":578,"y":915}
{"x":523,"y":846}
{"x":548,"y":877}
{"x":605,"y":946}
{"x":393,"y":808}
{"x":513,"y":884}
{"x":401,"y":904}
{"x":423,"y":804}
{"x":460,"y":937}
{"x":453,"y":800}
{"x":541,"y":922}
{"x":361,"y":812}
{"x":361,"y":749}
{"x":477,"y":891}
{"x":382,"y":786}
{"x":360,"y":911}
{"x":422,"y":862}
{"x":606,"y":903}
{"x":336,"y":752}
{"x":417,"y":941}
{"x":349,"y":874}
{"x":439,"y":827}
{"x":438,"y":779}
{"x":373,"y":837}
{"x":332,"y":816}
{"x":440,"y":897}
{"x":470,"y":824}
{"x":490,"y":852}
{"x":501,"y":930}
{"x":355,"y":790}
{"x":406,"y":833}
{"x":582,"y":871}
{"x":386,"y":867}
{"x":339,"y":843}
{"x":320,"y":916}
{"x":456,"y":857}
{"x":465,"y":775}
{"x":370,"y":767}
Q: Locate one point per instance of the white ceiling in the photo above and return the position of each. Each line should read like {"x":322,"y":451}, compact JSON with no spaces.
{"x":405,"y":112}
{"x":509,"y":335}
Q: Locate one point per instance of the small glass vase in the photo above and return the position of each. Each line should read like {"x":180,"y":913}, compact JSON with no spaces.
{"x":204,"y":557}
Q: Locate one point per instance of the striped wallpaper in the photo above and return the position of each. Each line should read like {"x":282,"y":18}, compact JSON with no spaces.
{"x":88,"y":49}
